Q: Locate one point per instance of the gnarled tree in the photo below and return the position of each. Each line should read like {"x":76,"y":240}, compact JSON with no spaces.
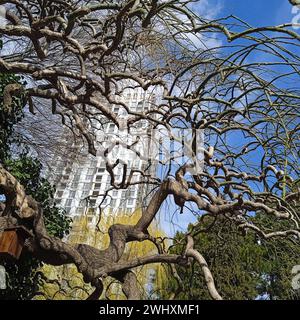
{"x":233,"y":82}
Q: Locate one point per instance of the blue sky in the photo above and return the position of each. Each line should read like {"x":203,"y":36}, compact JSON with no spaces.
{"x":255,"y":13}
{"x":258,"y":12}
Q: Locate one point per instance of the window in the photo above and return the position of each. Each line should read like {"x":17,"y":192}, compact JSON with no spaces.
{"x":104,"y":202}
{"x":68,"y":202}
{"x":132,"y":188}
{"x":93,"y":163}
{"x":92,"y":202}
{"x":91,"y":171}
{"x":111,"y":128}
{"x":76,"y":178}
{"x":113,"y":202}
{"x":81,"y":204}
{"x":68,"y":209}
{"x":122,"y":205}
{"x":79,"y":211}
{"x":74,"y":185}
{"x":100,"y":170}
{"x":89,"y":177}
{"x":98,"y":178}
{"x":136,"y":164}
{"x":131,"y":194}
{"x":116,"y":109}
{"x":85,"y":194}
{"x":72,"y":194}
{"x":76,"y":218}
{"x":66,"y":177}
{"x":139,"y":107}
{"x":58,"y":201}
{"x":86,"y":186}
{"x":102,"y":164}
{"x":97,"y":186}
{"x":115,"y":193}
{"x":91,"y":211}
{"x":130,"y":202}
{"x":95,"y":193}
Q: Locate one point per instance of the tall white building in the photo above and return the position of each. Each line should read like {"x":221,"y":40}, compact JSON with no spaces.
{"x":81,"y":182}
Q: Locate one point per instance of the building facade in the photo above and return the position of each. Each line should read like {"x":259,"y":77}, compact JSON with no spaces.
{"x":82,"y":181}
{"x":84,"y":187}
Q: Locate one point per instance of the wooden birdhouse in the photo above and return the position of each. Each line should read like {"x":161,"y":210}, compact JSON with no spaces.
{"x":12,"y":242}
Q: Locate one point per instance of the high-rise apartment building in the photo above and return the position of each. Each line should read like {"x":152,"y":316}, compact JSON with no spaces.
{"x":82,"y":181}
